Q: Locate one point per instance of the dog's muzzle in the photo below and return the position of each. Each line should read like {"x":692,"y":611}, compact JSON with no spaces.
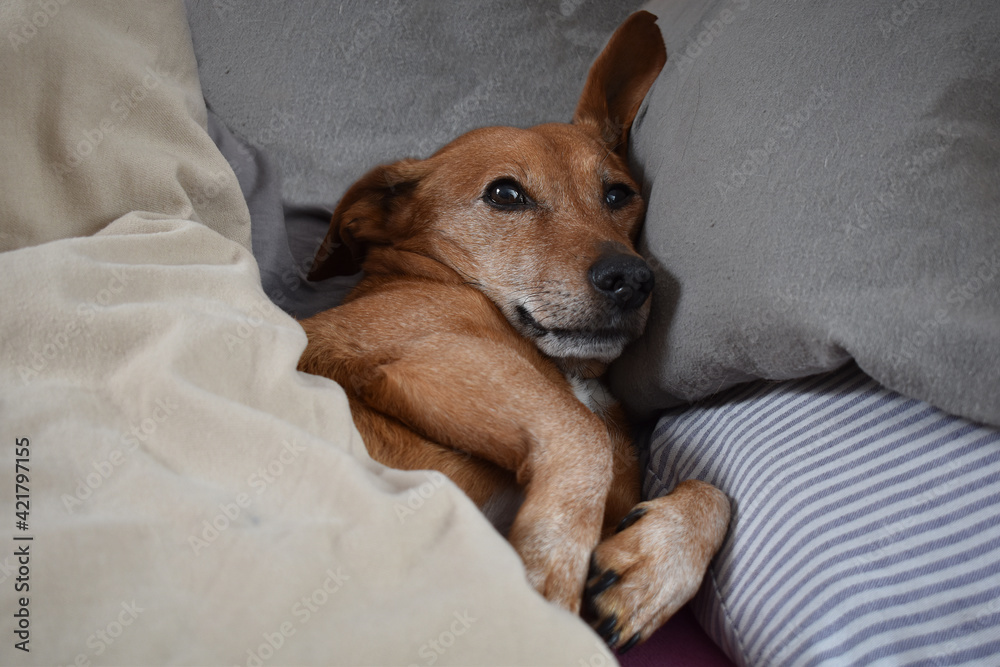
{"x":614,"y":316}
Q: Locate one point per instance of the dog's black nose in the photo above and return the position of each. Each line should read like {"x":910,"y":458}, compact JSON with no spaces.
{"x":625,"y":279}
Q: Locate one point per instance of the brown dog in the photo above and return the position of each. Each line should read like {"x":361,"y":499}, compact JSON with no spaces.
{"x":500,"y":279}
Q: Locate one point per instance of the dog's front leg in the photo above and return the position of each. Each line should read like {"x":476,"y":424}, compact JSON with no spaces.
{"x":481,"y":397}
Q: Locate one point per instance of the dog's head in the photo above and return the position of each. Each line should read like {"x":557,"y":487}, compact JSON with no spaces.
{"x":542,"y":220}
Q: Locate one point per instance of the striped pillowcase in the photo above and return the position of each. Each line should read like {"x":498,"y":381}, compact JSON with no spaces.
{"x":866,"y":526}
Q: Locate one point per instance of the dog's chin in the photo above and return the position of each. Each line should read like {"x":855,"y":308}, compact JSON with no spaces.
{"x":604,"y":342}
{"x":582,"y":345}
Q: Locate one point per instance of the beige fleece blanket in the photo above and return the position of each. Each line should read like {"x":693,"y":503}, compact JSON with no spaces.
{"x":172,"y":490}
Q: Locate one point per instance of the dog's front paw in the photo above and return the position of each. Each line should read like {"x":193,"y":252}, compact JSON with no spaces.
{"x":643,"y":574}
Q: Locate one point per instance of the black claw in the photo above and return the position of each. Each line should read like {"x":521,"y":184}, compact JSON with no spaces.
{"x":605,"y":628}
{"x":631,"y":518}
{"x":607,"y":580}
{"x":629,"y":644}
{"x":613,"y":639}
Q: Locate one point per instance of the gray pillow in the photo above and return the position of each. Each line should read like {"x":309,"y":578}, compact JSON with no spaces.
{"x":823,"y":184}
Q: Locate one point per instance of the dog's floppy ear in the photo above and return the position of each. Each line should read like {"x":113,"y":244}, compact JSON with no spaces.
{"x":364,"y":217}
{"x":620,"y":78}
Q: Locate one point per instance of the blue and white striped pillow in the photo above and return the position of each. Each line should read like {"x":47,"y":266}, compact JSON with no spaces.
{"x":866,"y":527}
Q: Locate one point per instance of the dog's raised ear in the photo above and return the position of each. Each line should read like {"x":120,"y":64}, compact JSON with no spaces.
{"x":365,"y":216}
{"x":620,"y":78}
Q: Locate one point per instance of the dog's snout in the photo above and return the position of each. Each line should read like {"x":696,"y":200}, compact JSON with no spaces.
{"x":625,"y":279}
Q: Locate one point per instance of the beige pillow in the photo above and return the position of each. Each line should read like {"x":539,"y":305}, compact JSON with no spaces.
{"x":103,"y":115}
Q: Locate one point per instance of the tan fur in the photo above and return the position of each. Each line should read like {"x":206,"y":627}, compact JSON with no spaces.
{"x":466,"y":346}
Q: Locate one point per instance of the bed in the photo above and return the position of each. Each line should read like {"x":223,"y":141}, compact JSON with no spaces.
{"x":825,"y":345}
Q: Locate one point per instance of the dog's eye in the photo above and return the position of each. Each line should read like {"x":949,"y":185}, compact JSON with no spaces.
{"x":617,"y":195}
{"x":505,"y":194}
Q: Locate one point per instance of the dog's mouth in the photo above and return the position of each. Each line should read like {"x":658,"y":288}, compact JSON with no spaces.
{"x":603,"y":343}
{"x":525,"y":318}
